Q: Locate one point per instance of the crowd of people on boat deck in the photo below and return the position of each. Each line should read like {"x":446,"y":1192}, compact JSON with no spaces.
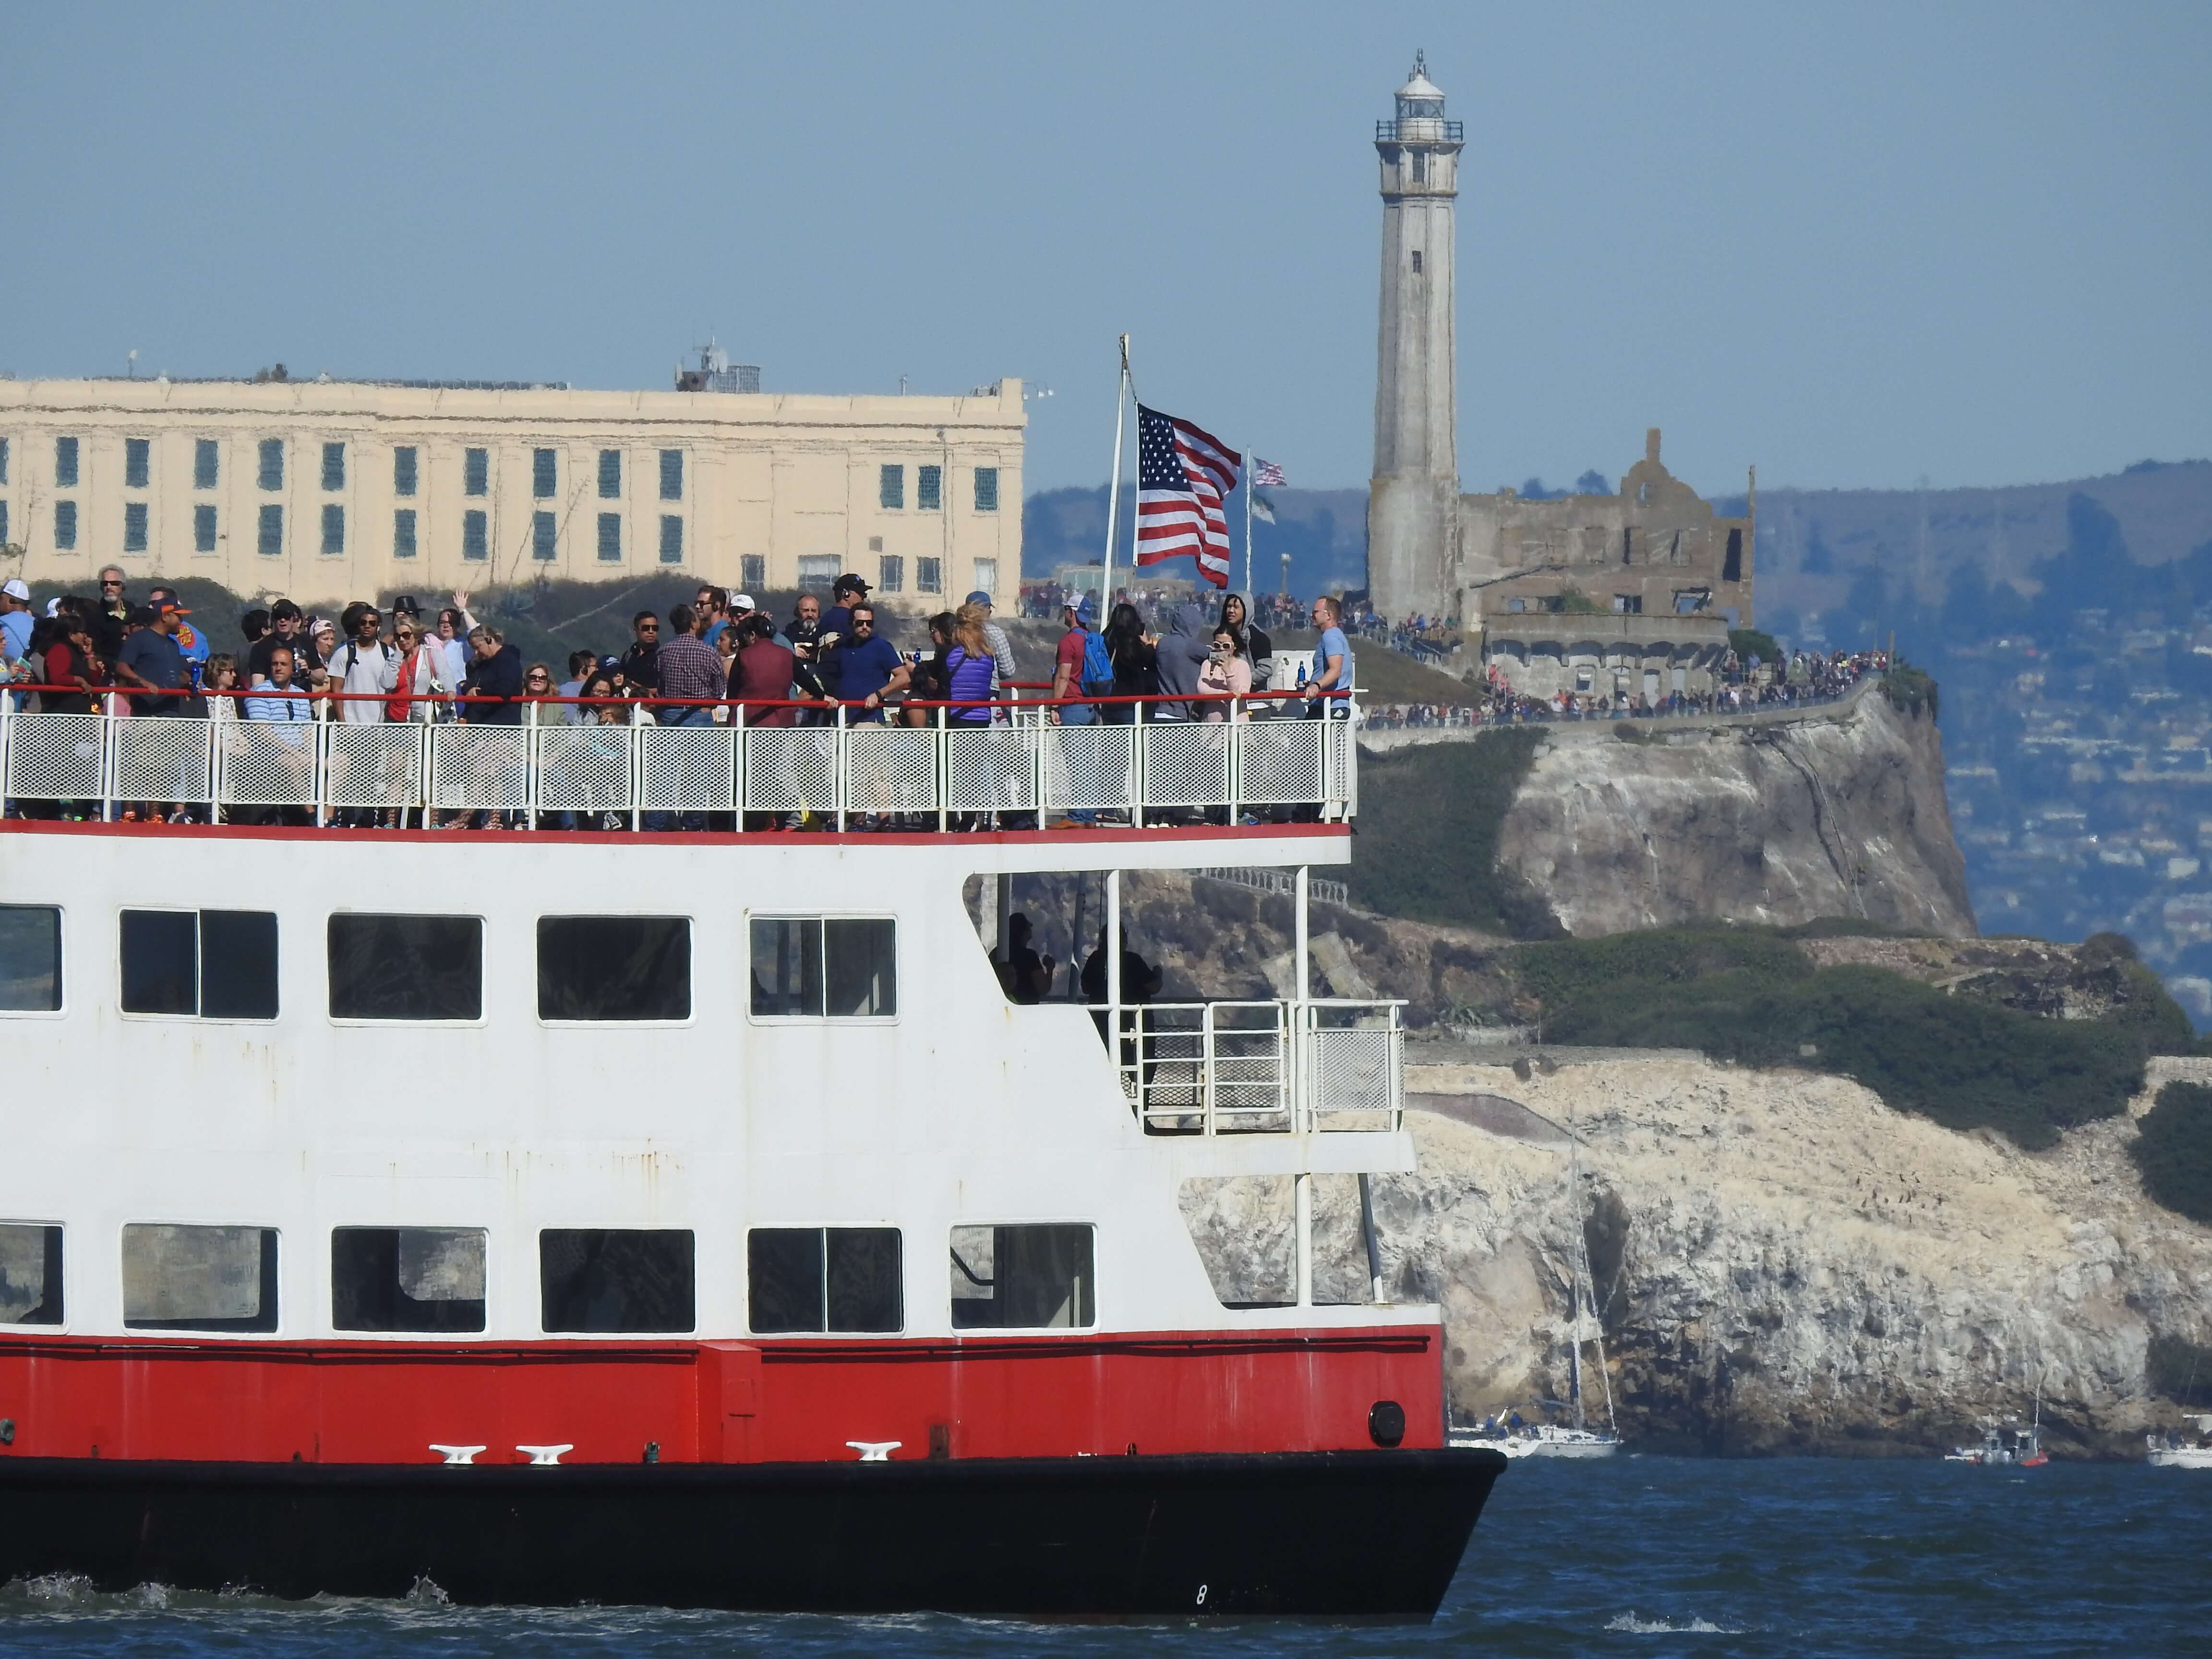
{"x":721,"y":658}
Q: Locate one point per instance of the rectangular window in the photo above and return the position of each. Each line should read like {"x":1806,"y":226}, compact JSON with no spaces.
{"x":65,"y":464}
{"x":1628,"y":605}
{"x":476,"y":473}
{"x":269,"y":539}
{"x":272,"y":464}
{"x":403,"y":532}
{"x":545,"y":474}
{"x":216,"y":964}
{"x":30,"y":959}
{"x":542,"y":534}
{"x":475,"y":534}
{"x":891,"y":573}
{"x":407,"y":1279}
{"x":334,"y":466}
{"x":817,"y":572}
{"x":813,"y":968}
{"x":929,"y":575}
{"x":891,"y":486}
{"x":610,"y":475}
{"x":421,"y":968}
{"x":134,"y":526}
{"x":1420,"y":174}
{"x":64,"y":524}
{"x":4,"y":460}
{"x":199,"y":1278}
{"x":1417,"y":261}
{"x":987,"y":575}
{"x":611,"y":538}
{"x":615,"y":1279}
{"x":614,"y":968}
{"x":137,"y":462}
{"x":333,"y":529}
{"x":672,"y":539}
{"x":1732,"y":561}
{"x":986,"y":489}
{"x":205,"y":463}
{"x":929,"y":487}
{"x":204,"y":527}
{"x":1022,"y":1278}
{"x":672,"y":474}
{"x":824,"y":1278}
{"x":3,"y":524}
{"x":30,"y":1274}
{"x":752,"y":570}
{"x":404,"y":472}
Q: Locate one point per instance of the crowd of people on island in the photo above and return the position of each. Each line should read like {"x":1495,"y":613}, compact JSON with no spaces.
{"x":718,"y":659}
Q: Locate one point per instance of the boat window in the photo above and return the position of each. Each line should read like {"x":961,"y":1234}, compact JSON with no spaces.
{"x":411,"y":968}
{"x":616,"y":1279}
{"x":614,"y":968}
{"x":818,"y":968}
{"x":30,"y":959}
{"x":216,"y":964}
{"x":199,"y":1278}
{"x":1023,"y":1277}
{"x":407,"y":1279}
{"x":30,"y":1274}
{"x":824,"y":1278}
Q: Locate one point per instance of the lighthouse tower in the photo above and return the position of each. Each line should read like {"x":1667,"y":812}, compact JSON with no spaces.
{"x":1412,"y":499}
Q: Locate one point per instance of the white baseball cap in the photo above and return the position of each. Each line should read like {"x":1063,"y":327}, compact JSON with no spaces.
{"x":14,"y":589}
{"x":741,"y":602}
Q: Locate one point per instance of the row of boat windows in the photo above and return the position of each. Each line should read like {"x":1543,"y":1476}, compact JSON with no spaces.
{"x":226,"y":964}
{"x":591,"y":1280}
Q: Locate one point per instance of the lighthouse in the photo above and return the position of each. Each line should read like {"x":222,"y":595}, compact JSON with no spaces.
{"x":1412,"y":498}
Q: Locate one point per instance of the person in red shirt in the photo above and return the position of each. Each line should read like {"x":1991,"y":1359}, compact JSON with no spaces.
{"x":1076,"y":614}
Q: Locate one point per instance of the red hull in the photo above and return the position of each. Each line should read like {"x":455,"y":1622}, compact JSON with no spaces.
{"x":717,"y":1402}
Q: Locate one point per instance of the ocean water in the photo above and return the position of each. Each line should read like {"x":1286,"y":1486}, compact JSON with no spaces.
{"x":1638,"y":1556}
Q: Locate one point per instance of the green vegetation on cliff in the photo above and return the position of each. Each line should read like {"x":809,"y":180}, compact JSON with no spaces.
{"x":1429,"y":823}
{"x":2175,"y":1151}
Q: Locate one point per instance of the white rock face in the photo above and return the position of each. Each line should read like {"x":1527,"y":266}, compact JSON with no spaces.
{"x":1782,"y":1261}
{"x":1840,"y":814}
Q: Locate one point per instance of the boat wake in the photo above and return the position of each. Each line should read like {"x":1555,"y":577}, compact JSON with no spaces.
{"x":1629,"y":1624}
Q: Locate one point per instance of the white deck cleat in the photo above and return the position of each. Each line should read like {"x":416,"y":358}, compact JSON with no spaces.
{"x":546,"y":1457}
{"x":875,"y":1451}
{"x":458,"y":1454}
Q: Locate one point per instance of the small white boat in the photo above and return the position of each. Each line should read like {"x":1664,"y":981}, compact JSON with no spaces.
{"x":2170,"y":1450}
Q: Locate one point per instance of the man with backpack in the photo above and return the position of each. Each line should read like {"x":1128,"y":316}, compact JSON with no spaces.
{"x":1081,"y":667}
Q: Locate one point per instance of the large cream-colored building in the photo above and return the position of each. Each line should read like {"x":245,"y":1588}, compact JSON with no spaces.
{"x":327,"y":489}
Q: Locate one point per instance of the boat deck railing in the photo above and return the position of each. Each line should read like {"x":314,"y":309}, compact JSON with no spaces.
{"x":1264,"y":1067}
{"x":701,"y":759}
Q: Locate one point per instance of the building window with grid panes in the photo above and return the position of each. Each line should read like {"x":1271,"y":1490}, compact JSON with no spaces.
{"x":476,"y":473}
{"x":986,"y":489}
{"x":4,"y":460}
{"x":203,"y":528}
{"x":752,"y":571}
{"x":891,"y":486}
{"x":333,"y":530}
{"x":3,"y":524}
{"x":929,"y":487}
{"x":205,"y":463}
{"x":672,"y":539}
{"x":334,"y":466}
{"x":891,"y":573}
{"x":137,"y":462}
{"x":611,"y":475}
{"x":64,"y":524}
{"x":268,"y":536}
{"x":929,"y":575}
{"x":672,"y":474}
{"x":610,"y":537}
{"x":272,"y":464}
{"x":543,"y":532}
{"x":475,"y":534}
{"x":134,"y":526}
{"x":403,"y":475}
{"x":545,"y":474}
{"x":987,"y":575}
{"x":65,"y":464}
{"x":403,"y":532}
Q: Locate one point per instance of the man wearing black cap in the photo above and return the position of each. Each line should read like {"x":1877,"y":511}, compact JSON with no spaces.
{"x":848,"y":590}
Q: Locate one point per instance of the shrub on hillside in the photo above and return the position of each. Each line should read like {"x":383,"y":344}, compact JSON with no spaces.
{"x":1912,"y":689}
{"x":2175,"y":1150}
{"x":1747,"y":642}
{"x":1429,"y":823}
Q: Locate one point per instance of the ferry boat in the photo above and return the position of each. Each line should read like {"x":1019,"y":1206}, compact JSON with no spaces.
{"x":680,"y":1217}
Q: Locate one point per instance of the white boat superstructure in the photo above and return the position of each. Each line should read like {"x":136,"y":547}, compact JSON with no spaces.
{"x":2178,"y":1449}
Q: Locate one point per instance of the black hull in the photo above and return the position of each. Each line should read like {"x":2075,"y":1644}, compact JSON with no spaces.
{"x":1330,"y":1534}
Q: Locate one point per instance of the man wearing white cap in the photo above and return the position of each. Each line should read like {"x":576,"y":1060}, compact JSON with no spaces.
{"x":15,"y":616}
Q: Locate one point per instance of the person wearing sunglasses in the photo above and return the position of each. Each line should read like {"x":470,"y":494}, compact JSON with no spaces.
{"x":111,"y":617}
{"x":640,"y":671}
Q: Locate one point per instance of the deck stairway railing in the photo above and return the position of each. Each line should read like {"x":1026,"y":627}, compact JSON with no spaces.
{"x":1217,"y":1068}
{"x":602,"y":775}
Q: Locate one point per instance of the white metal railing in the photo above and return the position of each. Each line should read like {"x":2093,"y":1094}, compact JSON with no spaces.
{"x":1217,"y":1068}
{"x":646,"y":776}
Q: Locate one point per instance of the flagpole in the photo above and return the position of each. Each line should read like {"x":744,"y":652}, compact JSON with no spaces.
{"x":1247,"y":533}
{"x":1113,"y":490}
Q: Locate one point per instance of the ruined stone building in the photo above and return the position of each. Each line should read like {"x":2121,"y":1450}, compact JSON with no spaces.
{"x":1620,"y":594}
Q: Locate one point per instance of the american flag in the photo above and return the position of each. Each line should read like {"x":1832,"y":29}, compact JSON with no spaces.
{"x":1183,"y":473}
{"x":1266,"y":474}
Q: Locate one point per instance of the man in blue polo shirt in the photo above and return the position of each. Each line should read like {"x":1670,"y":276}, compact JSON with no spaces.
{"x":860,"y":667}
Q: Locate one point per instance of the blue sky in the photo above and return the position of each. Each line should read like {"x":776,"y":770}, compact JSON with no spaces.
{"x":1854,"y":245}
